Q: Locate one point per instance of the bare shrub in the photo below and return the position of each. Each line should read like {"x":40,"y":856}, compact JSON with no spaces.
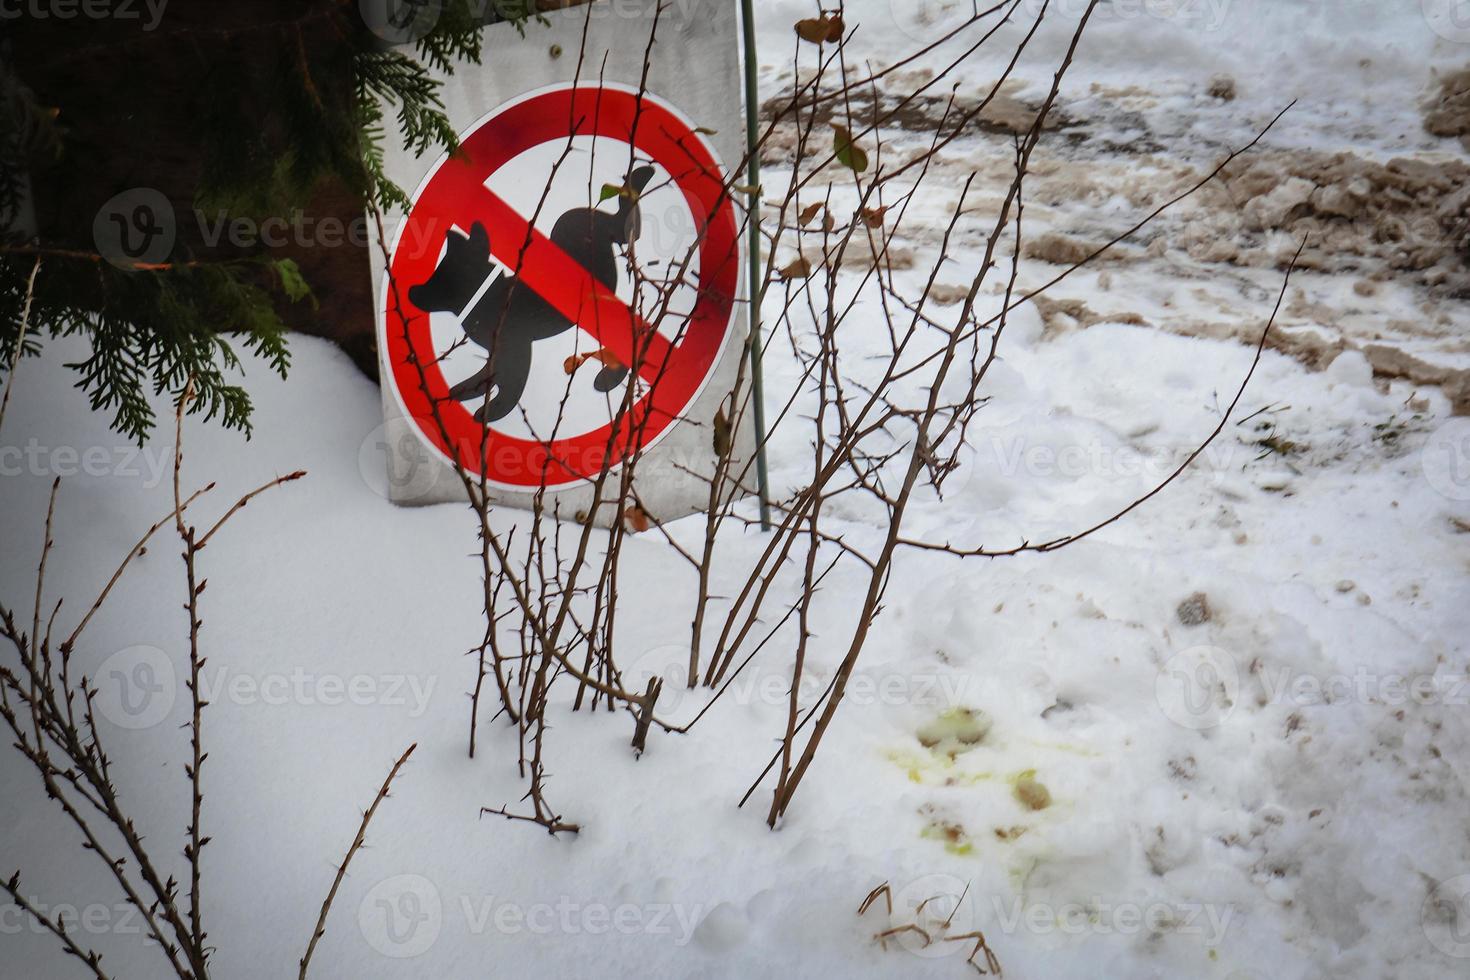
{"x":50,"y":711}
{"x":882,"y":423}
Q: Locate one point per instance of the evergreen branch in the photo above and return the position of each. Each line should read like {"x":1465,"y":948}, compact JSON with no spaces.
{"x":20,"y":343}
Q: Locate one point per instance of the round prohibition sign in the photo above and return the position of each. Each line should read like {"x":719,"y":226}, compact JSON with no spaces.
{"x":670,"y":375}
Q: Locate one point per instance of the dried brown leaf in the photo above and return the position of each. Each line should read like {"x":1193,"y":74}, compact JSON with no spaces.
{"x":636,"y":519}
{"x":797,"y":268}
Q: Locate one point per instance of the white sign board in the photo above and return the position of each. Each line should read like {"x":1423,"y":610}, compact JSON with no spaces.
{"x":564,"y":295}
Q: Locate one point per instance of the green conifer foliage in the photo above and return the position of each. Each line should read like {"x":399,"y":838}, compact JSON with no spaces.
{"x":324,"y":110}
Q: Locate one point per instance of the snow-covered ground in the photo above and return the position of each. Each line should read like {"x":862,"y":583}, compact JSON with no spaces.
{"x":1265,"y":782}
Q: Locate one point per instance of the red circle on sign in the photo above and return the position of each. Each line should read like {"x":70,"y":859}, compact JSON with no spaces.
{"x":454,"y":195}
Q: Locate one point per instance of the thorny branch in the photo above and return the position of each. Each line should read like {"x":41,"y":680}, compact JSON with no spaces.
{"x":879,"y":424}
{"x":52,"y":720}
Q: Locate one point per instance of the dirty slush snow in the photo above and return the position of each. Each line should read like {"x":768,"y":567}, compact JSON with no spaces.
{"x":1226,"y":737}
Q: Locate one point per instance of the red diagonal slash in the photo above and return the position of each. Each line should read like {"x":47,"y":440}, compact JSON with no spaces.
{"x":553,"y":274}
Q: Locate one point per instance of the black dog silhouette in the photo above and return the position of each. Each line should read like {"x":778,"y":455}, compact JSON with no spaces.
{"x":510,"y":317}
